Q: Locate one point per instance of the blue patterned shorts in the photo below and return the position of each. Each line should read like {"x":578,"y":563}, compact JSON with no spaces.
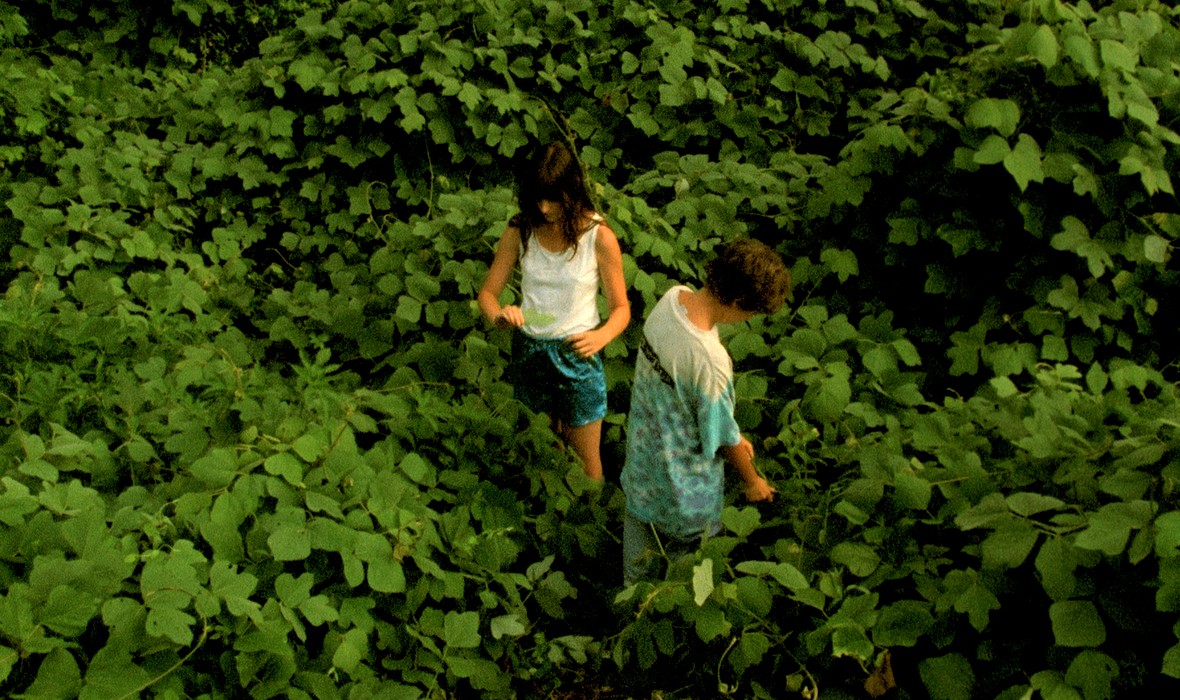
{"x":549,"y":377}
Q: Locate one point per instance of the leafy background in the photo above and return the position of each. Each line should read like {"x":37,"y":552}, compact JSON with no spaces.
{"x":256,"y":441}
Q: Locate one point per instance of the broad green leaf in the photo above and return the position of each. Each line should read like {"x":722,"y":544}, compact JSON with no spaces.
{"x":461,"y":630}
{"x":1076,"y":623}
{"x":912,"y":491}
{"x":977,"y":602}
{"x":1171,"y":666}
{"x":902,"y":624}
{"x":948,"y":677}
{"x":1055,"y":562}
{"x":1024,"y":163}
{"x":1155,"y":249}
{"x":68,"y":611}
{"x":1009,"y":545}
{"x":1082,"y":51}
{"x":218,"y":468}
{"x":1118,"y":56}
{"x":58,"y":677}
{"x":702,"y":581}
{"x":994,"y":149}
{"x":1028,"y":504}
{"x":990,"y":113}
{"x":352,"y":650}
{"x":8,"y":659}
{"x":235,"y":589}
{"x":1093,"y":672}
{"x":285,"y":465}
{"x":415,"y":467}
{"x":841,"y":262}
{"x":1043,"y":46}
{"x":742,"y":522}
{"x":507,"y":626}
{"x":1110,"y":527}
{"x":710,"y":624}
{"x":754,"y":594}
{"x":989,"y":512}
{"x":311,"y":446}
{"x":749,"y":651}
{"x":538,"y":318}
{"x":1167,"y":534}
{"x":112,"y":674}
{"x":860,"y":559}
{"x":290,"y":543}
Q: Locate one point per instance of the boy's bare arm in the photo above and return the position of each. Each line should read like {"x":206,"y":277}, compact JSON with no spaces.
{"x":741,"y":456}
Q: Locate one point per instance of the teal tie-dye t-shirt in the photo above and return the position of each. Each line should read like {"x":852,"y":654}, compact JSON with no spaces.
{"x":681,"y":415}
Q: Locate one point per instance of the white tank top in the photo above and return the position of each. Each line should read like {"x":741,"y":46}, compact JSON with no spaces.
{"x":562,"y":287}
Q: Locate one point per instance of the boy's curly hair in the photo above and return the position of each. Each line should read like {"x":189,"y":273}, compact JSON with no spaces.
{"x":748,"y":274}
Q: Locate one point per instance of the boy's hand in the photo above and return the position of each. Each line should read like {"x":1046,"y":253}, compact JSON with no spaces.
{"x":746,"y":448}
{"x":760,"y":490}
{"x":509,"y":317}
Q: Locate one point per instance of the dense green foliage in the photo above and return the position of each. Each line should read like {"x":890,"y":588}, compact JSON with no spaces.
{"x":256,"y":438}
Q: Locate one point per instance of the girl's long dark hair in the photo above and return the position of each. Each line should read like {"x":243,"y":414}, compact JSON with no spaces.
{"x":553,"y":173}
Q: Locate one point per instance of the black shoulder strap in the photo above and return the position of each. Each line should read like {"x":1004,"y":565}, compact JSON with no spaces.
{"x":650,"y":353}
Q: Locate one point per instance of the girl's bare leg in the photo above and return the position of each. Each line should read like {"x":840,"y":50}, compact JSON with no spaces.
{"x":585,"y":440}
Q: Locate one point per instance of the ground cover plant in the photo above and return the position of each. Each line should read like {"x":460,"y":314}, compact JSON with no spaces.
{"x":255,"y":438}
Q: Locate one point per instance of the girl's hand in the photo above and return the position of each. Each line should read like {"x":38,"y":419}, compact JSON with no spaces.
{"x":509,"y":317}
{"x":587,"y":344}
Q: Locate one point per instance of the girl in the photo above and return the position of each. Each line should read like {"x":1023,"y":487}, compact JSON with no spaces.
{"x":564,"y":249}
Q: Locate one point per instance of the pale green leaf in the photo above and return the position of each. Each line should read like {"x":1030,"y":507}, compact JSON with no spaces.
{"x":702,"y":581}
{"x":1076,"y":623}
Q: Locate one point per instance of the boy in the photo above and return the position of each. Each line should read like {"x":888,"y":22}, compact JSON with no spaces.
{"x":681,"y":427}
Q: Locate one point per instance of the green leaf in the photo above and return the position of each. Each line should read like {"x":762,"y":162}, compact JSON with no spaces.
{"x":311,"y":446}
{"x":1056,"y":562}
{"x":702,"y":581}
{"x":112,"y":674}
{"x":710,"y":624}
{"x":58,"y":677}
{"x":507,"y":626}
{"x":1110,"y":527}
{"x":353,"y":649}
{"x":859,"y":559}
{"x":8,"y":659}
{"x":1009,"y":545}
{"x":218,"y":468}
{"x":171,"y":623}
{"x":1075,"y":237}
{"x":290,"y":543}
{"x":461,"y":630}
{"x":841,"y":262}
{"x":1082,"y":51}
{"x":1028,"y":504}
{"x":742,"y":522}
{"x":1155,"y":249}
{"x":1024,"y":163}
{"x":1076,"y":624}
{"x":1118,"y":56}
{"x":1170,"y":668}
{"x":1093,"y":672}
{"x":948,"y":677}
{"x":994,"y":149}
{"x":235,"y":589}
{"x":912,"y":491}
{"x":68,"y":611}
{"x":1001,"y":115}
{"x":1043,"y":46}
{"x":902,"y":624}
{"x":285,"y":465}
{"x":749,"y":651}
